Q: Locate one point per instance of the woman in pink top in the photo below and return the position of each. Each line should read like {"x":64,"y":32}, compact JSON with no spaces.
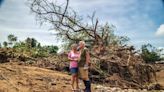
{"x":74,"y":56}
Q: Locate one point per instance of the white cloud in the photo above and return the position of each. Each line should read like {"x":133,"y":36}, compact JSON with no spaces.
{"x":160,"y":30}
{"x":132,"y":18}
{"x":42,"y":36}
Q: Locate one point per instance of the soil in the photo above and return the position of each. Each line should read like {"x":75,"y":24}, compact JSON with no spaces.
{"x":160,"y":77}
{"x":20,"y":78}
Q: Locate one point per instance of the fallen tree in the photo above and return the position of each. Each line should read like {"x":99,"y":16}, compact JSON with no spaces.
{"x":110,"y":69}
{"x":111,"y":57}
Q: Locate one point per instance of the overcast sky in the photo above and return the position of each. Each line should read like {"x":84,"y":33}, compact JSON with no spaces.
{"x":141,"y":20}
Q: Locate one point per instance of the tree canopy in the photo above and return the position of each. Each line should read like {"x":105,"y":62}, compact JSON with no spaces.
{"x":150,"y":54}
{"x":11,"y":39}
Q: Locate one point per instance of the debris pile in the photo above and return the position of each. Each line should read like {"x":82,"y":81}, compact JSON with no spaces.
{"x":116,"y":66}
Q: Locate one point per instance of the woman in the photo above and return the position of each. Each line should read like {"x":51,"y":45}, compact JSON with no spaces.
{"x":74,"y":57}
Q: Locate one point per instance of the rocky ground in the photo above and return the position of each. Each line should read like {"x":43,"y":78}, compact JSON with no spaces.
{"x":20,"y":78}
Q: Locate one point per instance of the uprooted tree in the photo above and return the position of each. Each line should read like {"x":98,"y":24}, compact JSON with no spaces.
{"x":113,"y":61}
{"x":68,"y":25}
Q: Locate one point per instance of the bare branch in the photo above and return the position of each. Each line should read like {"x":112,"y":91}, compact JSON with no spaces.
{"x":66,"y":20}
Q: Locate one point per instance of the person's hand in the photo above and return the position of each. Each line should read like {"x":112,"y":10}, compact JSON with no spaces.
{"x":79,"y":59}
{"x":76,"y":59}
{"x":86,"y":66}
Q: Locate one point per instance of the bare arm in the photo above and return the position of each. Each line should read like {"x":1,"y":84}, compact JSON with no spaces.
{"x":76,"y":59}
{"x":87,"y":58}
{"x":70,"y":58}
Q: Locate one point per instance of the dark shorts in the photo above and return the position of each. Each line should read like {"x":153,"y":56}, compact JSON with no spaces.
{"x":74,"y":70}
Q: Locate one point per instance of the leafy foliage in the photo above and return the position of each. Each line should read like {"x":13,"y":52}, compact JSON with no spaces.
{"x":150,"y":54}
{"x":5,"y":44}
{"x":11,"y":39}
{"x":30,"y":47}
{"x":31,"y":42}
{"x":33,"y":48}
{"x":52,"y":49}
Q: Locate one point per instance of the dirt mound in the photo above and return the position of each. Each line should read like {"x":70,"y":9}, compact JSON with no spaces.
{"x":16,"y":78}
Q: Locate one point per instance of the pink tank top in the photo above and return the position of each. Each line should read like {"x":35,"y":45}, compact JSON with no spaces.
{"x":73,"y":63}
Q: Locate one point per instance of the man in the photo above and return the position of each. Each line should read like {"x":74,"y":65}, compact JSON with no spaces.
{"x":83,"y":65}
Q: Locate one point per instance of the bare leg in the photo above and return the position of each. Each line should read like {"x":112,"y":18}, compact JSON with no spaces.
{"x":77,"y":82}
{"x":72,"y":81}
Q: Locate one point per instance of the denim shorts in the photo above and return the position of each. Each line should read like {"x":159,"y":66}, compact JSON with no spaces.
{"x":74,"y":70}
